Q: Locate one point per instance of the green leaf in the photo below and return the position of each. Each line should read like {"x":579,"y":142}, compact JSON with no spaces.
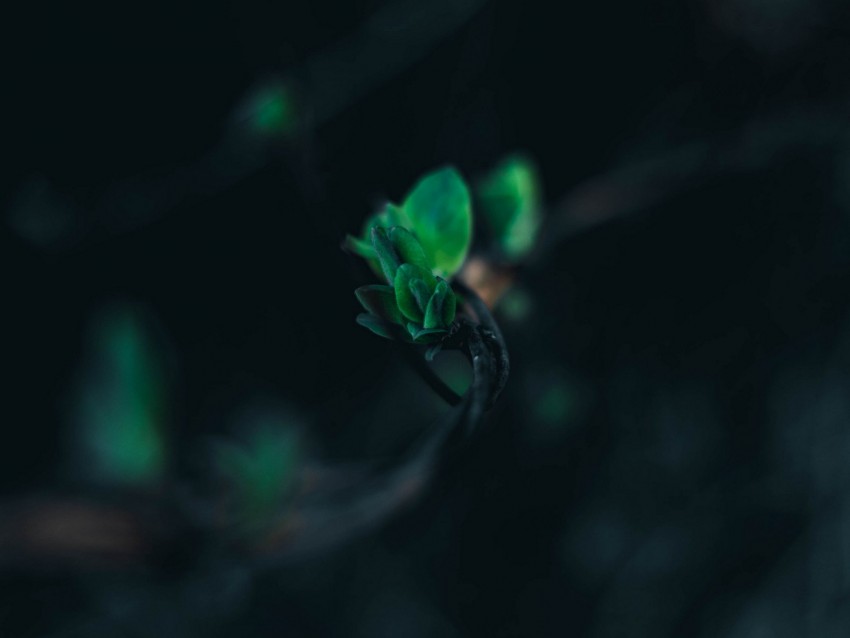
{"x":386,"y":217}
{"x":386,"y":253}
{"x":510,"y":198}
{"x":408,"y":247}
{"x":271,"y":111}
{"x":259,"y":472}
{"x":434,"y":310}
{"x":450,"y":303}
{"x":413,"y":328}
{"x":379,"y":326}
{"x":421,"y":293}
{"x":404,"y":296}
{"x":380,"y":301}
{"x":394,"y":215}
{"x":440,"y":215}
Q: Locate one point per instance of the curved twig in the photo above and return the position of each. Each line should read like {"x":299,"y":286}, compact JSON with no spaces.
{"x":132,"y":532}
{"x":629,"y":189}
{"x":430,"y":377}
{"x":323,"y":521}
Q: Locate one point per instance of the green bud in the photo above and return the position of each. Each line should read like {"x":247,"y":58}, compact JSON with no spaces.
{"x":379,"y":301}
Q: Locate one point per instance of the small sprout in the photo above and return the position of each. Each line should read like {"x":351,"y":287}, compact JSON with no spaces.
{"x":440,"y":215}
{"x":413,"y":288}
{"x":390,"y":215}
{"x":510,"y":199}
{"x":416,"y":306}
{"x":388,"y":255}
{"x":437,"y":212}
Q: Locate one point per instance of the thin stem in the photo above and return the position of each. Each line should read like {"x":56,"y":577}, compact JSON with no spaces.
{"x":331,"y":519}
{"x":430,"y":377}
{"x":318,"y":521}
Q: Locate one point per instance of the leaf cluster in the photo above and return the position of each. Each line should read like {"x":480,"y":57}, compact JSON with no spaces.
{"x":414,"y":305}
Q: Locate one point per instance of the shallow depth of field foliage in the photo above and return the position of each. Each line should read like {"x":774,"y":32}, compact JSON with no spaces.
{"x":643,"y":206}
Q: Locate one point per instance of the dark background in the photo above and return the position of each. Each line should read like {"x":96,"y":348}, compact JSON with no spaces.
{"x":688,"y":308}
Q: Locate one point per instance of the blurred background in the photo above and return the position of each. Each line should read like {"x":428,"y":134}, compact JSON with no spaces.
{"x":671,"y":456}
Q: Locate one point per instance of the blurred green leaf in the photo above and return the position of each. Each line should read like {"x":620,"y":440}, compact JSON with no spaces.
{"x":421,"y":293}
{"x":440,"y":215}
{"x":511,"y":204}
{"x":271,"y":110}
{"x":122,"y":403}
{"x":259,"y":472}
{"x":390,"y":215}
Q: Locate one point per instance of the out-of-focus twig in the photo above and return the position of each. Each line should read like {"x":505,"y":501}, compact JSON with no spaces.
{"x":636,"y":187}
{"x":327,"y":519}
{"x":334,"y":505}
{"x":384,"y":45}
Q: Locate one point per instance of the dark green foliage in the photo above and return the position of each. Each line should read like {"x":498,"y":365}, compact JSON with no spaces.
{"x":417,"y":306}
{"x":412,"y":247}
{"x":391,"y":215}
{"x":386,"y":252}
{"x":379,"y":326}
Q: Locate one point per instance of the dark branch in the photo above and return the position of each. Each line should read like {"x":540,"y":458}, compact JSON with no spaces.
{"x":333,"y":513}
{"x":329,"y":519}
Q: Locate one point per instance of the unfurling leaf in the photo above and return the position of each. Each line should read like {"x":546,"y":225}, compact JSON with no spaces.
{"x":449,"y":304}
{"x":421,"y":293}
{"x":404,"y":295}
{"x":440,"y":215}
{"x":122,"y":402}
{"x":386,"y":252}
{"x":434,"y":310}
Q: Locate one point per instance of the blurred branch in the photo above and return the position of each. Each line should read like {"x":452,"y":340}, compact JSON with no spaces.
{"x":336,"y":504}
{"x":395,"y":37}
{"x":325,"y":520}
{"x":630,"y":189}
